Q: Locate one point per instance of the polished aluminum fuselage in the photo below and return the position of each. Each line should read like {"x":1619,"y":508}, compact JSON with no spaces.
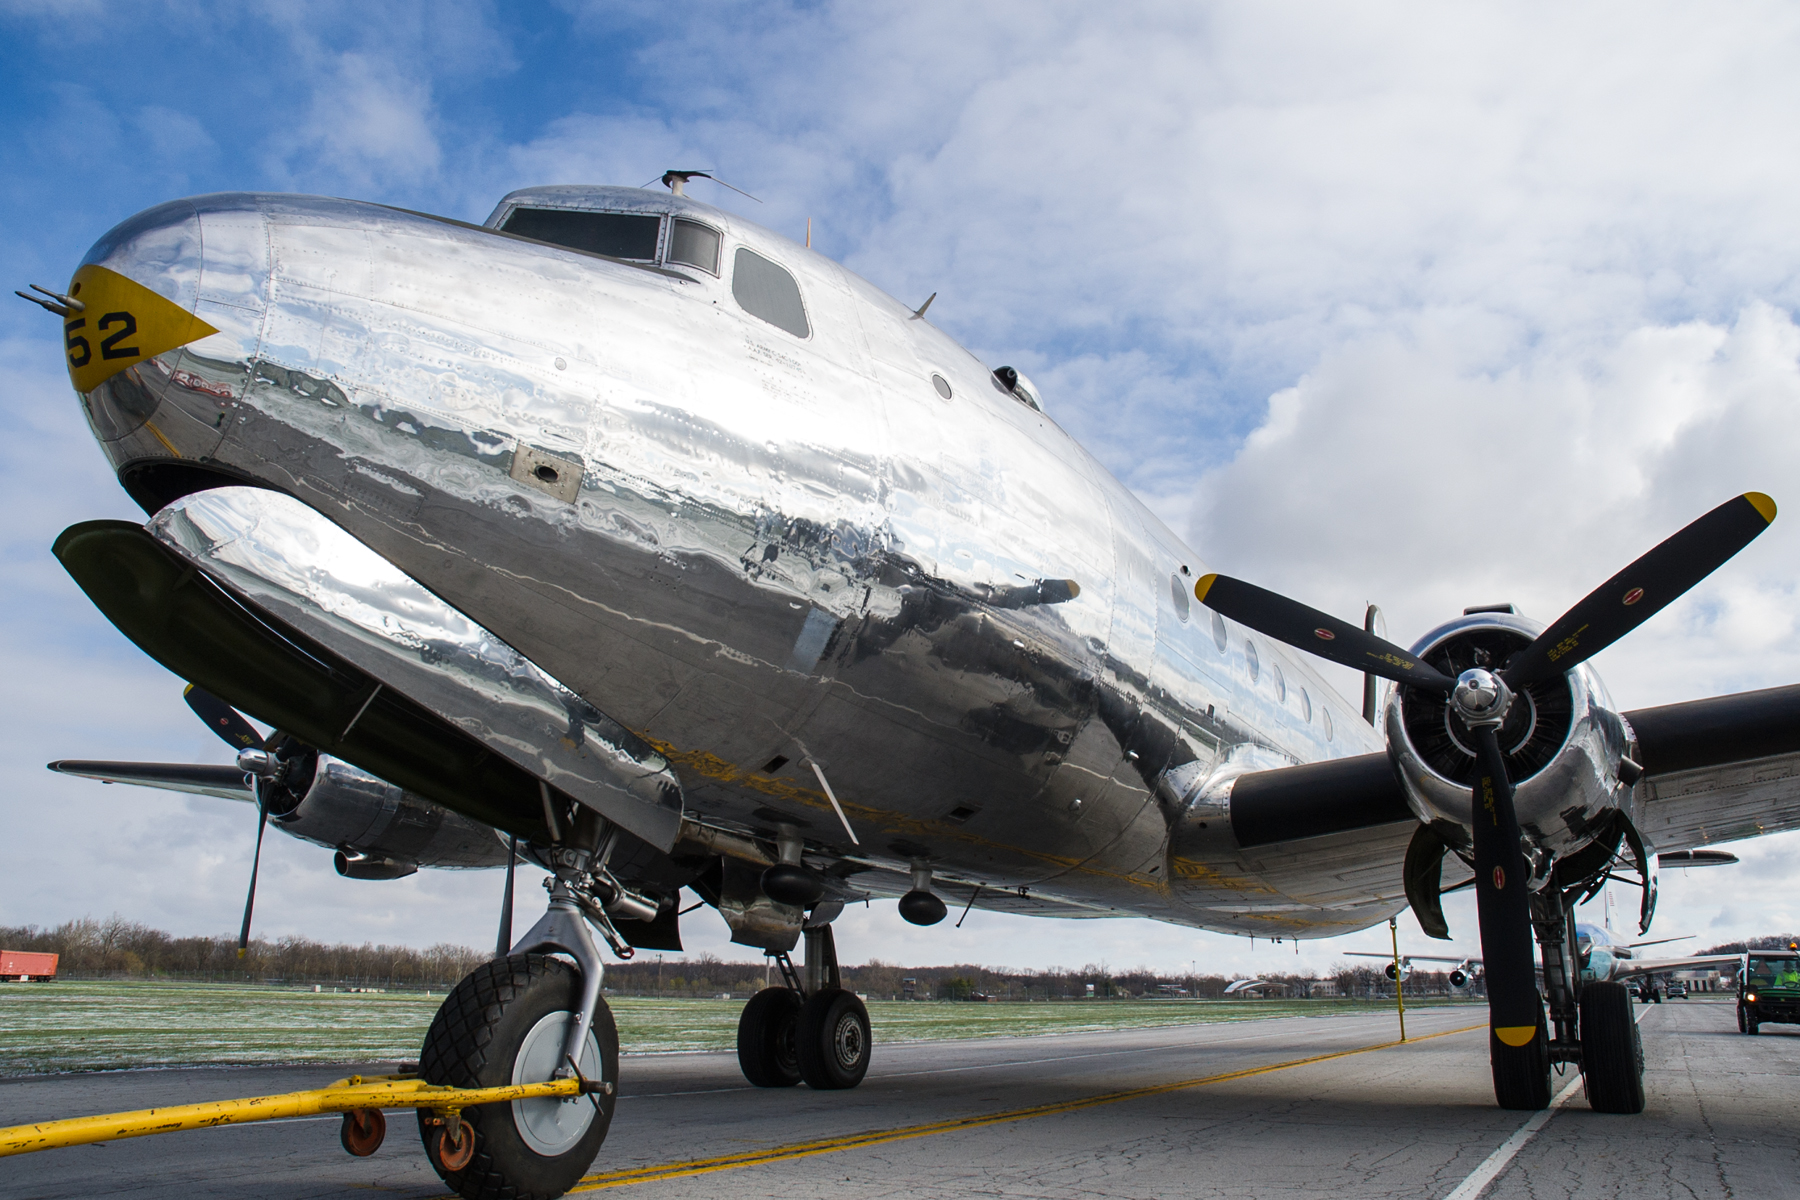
{"x":778,"y":548}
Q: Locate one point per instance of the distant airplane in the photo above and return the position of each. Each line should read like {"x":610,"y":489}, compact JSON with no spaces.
{"x":687,"y":558}
{"x":1601,"y":959}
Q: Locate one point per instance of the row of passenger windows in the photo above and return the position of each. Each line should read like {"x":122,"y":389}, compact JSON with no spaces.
{"x":1178,"y":592}
{"x":762,"y":288}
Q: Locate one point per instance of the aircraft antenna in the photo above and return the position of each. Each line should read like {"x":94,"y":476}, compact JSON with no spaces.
{"x":676,"y":182}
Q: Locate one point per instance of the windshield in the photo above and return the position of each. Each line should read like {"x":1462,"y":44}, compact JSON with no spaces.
{"x":1768,"y":971}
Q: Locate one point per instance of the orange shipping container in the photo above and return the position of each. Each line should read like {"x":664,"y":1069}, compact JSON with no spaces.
{"x":23,"y":964}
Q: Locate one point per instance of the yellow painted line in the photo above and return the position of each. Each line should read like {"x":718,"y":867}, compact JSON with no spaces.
{"x":876,"y":1137}
{"x":167,"y":444}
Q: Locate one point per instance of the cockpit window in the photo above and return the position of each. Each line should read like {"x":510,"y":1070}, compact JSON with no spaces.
{"x":616,"y":235}
{"x":694,"y":244}
{"x":766,"y":290}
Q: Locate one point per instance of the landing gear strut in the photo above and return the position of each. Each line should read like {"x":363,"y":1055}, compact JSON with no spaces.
{"x":808,"y":1029}
{"x":530,"y":1018}
{"x":1594,"y":1023}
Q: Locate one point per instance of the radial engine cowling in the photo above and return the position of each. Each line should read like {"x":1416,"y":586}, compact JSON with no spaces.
{"x":1562,"y":739}
{"x":380,"y":831}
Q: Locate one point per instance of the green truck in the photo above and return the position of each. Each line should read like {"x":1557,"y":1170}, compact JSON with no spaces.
{"x":1768,"y":989}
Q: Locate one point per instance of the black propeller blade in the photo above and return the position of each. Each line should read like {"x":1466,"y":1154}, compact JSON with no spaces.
{"x":1502,"y":902}
{"x":1481,"y":699}
{"x":239,"y":734}
{"x":1316,"y":632}
{"x":222,"y":719}
{"x":1642,"y":590}
{"x":262,"y":823}
{"x":503,"y":943}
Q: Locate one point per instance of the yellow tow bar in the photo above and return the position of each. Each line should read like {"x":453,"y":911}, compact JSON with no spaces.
{"x":363,"y":1097}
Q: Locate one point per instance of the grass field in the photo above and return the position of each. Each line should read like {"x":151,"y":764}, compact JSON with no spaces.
{"x":79,"y":1026}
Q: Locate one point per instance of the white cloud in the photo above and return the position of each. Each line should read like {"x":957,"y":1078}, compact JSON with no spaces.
{"x":369,"y":122}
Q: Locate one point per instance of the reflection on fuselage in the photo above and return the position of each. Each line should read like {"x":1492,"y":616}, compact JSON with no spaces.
{"x":741,"y":523}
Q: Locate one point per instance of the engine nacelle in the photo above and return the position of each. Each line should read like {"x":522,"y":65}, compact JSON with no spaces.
{"x":1396,"y":975}
{"x":353,"y":865}
{"x":380,"y":831}
{"x":1563,"y":741}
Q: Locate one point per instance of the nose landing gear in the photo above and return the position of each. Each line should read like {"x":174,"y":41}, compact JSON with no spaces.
{"x":506,"y":1023}
{"x":812,"y":1030}
{"x":531,"y":1018}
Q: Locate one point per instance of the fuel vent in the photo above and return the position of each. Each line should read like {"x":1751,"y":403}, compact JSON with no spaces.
{"x":551,"y":474}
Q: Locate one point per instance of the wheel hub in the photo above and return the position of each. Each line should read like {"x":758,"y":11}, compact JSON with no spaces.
{"x":552,"y":1126}
{"x":847,"y":1041}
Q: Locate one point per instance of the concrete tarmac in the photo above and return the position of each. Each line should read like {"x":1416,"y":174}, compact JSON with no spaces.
{"x":1298,"y":1107}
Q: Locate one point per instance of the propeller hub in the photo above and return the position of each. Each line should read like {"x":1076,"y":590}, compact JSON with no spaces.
{"x":1481,"y":698}
{"x":259,"y":763}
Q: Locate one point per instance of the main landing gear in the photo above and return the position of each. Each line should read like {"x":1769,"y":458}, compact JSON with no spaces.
{"x":812,"y":1029}
{"x":1594,"y":1023}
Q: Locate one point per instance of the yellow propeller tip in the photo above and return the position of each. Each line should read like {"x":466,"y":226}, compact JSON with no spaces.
{"x":1762,"y":504}
{"x":1202,"y":586}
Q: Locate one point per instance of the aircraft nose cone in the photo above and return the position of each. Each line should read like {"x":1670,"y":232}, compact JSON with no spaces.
{"x":172,"y":307}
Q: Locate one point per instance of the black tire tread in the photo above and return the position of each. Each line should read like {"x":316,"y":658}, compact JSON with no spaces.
{"x":818,"y":1065}
{"x":1612,"y":1052}
{"x":457,"y":1049}
{"x":755,"y":1037}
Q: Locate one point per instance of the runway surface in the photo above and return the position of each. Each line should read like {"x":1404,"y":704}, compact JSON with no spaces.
{"x":1292,"y":1107}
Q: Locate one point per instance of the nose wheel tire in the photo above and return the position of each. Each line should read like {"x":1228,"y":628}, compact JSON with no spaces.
{"x":833,"y":1041}
{"x":1521,"y":1073}
{"x":505,"y":1024}
{"x":767,"y":1030}
{"x":1612,"y":1053}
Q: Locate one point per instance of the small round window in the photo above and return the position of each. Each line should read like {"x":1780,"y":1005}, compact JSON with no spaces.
{"x":1251,"y":661}
{"x":1305,"y":706}
{"x":1280,"y":683}
{"x":1325,"y":714}
{"x":942,"y":385}
{"x":1179,"y":594}
{"x":1219,"y":632}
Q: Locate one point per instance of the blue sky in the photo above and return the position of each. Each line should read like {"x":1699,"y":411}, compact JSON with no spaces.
{"x":1403,"y":303}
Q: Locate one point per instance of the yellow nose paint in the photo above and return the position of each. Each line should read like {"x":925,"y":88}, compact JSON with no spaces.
{"x":122,"y":324}
{"x":1515,"y":1035}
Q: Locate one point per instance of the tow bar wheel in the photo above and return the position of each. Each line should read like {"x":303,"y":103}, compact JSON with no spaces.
{"x":362,"y":1131}
{"x":504,"y":1024}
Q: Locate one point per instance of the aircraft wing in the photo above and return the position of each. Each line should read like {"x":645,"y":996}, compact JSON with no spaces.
{"x":957,"y":894}
{"x":1719,"y":769}
{"x":1471,"y":959}
{"x":225,"y":782}
{"x":1656,"y":966}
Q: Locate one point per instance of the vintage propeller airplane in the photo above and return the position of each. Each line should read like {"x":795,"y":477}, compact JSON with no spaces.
{"x":689,"y":559}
